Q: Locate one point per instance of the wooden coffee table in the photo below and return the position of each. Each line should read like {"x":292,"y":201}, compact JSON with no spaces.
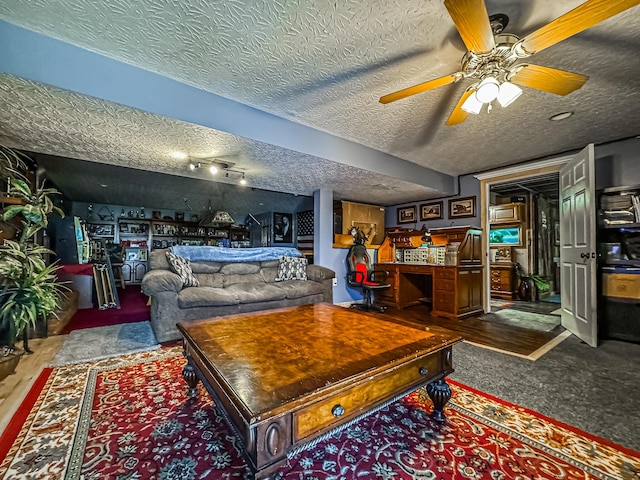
{"x":281,"y":378}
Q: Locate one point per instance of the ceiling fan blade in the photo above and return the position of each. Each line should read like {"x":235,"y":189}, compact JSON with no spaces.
{"x":472,"y":21}
{"x":548,"y":79}
{"x":580,"y":18}
{"x":458,"y":115}
{"x":421,"y":87}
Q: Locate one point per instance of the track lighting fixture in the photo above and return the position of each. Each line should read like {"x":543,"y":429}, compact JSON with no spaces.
{"x":216,"y":166}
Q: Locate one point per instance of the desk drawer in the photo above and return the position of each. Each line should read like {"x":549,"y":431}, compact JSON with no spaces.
{"x":497,"y":283}
{"x":446,"y":285}
{"x":444,"y":273}
{"x":422,"y":269}
{"x":444,"y":301}
{"x":359,"y":399}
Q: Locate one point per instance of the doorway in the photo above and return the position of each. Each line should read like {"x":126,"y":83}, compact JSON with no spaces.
{"x":534,"y":255}
{"x":535,"y":187}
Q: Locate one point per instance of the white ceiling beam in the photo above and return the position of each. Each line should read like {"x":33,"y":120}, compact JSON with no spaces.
{"x":46,"y":60}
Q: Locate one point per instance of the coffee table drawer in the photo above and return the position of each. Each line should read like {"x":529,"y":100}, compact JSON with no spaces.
{"x":350,"y":403}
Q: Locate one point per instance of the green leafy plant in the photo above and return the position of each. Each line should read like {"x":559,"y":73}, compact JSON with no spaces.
{"x":541,"y":283}
{"x":29,"y":288}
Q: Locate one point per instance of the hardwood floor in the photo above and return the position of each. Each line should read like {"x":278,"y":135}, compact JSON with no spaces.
{"x":520,"y":341}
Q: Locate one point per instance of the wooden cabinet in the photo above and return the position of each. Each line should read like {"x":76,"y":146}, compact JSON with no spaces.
{"x":503,"y":281}
{"x":133,"y":271}
{"x":457,"y":291}
{"x":507,"y":213}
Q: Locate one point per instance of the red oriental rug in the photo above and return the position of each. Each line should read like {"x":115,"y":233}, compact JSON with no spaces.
{"x":129,"y":418}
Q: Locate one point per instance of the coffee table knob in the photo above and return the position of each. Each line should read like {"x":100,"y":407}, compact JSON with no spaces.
{"x":337,"y":410}
{"x":423,"y":370}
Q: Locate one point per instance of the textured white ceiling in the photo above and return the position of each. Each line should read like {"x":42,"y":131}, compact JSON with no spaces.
{"x":324,"y":65}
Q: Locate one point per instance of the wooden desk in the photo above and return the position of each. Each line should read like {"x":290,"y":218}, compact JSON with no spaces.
{"x":454,"y":292}
{"x":283,"y":377}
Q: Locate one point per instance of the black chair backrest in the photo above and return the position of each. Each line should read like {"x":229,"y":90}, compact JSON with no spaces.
{"x":358,"y":255}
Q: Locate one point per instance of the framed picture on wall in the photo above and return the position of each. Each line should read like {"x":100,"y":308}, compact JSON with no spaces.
{"x":431,"y":211}
{"x":462,"y":207}
{"x":407,"y":215}
{"x":282,"y":228}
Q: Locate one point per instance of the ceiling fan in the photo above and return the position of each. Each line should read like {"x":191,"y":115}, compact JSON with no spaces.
{"x":492,"y":57}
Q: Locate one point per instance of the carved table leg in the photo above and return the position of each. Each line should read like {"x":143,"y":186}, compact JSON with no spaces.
{"x":440,"y":393}
{"x":189,"y":375}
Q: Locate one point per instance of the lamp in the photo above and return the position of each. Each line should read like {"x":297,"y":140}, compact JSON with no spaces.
{"x":508,"y":93}
{"x":472,"y":105}
{"x":488,"y":90}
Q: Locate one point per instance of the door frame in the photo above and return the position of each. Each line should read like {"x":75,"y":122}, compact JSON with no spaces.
{"x":492,"y":177}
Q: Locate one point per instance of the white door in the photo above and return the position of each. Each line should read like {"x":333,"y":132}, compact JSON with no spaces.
{"x":578,"y":243}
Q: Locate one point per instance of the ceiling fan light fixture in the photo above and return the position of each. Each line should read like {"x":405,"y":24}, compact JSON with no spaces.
{"x":508,"y":93}
{"x":488,"y":90}
{"x":472,"y":105}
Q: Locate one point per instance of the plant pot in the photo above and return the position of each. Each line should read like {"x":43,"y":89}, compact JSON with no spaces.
{"x":524,"y":289}
{"x":8,"y":364}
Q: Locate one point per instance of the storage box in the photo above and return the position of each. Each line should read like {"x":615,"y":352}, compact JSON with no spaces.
{"x":621,"y":285}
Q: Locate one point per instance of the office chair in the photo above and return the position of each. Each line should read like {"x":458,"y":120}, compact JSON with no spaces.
{"x":360,"y":274}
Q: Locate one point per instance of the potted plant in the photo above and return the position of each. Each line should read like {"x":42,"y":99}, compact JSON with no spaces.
{"x":541,"y":285}
{"x":29,"y":288}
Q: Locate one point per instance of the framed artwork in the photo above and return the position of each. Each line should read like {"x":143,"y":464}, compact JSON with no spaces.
{"x":431,"y":211}
{"x":407,"y":215}
{"x":462,"y":207}
{"x":282,"y":228}
{"x":156,"y":215}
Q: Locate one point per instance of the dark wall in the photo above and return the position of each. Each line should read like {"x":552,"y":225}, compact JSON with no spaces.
{"x":469,"y":187}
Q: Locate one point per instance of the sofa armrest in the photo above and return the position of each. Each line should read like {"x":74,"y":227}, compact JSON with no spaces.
{"x":318,"y":273}
{"x":156,"y":281}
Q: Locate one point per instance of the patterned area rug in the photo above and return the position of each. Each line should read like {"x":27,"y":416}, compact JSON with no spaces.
{"x":133,"y":421}
{"x":90,"y":344}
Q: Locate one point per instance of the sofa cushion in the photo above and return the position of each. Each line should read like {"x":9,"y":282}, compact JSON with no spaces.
{"x":255,"y":293}
{"x":206,"y":267}
{"x":215,"y":280}
{"x":247,"y":278}
{"x":269,"y":274}
{"x":240,"y":268}
{"x":291,"y":268}
{"x":297,"y":289}
{"x":205,"y":297}
{"x":181,"y":267}
{"x":158,"y":259}
{"x":270,"y":264}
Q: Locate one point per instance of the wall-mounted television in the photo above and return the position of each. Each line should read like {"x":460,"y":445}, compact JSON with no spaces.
{"x":506,"y":237}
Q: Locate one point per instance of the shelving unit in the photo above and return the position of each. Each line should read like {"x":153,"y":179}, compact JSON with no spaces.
{"x":167,"y":234}
{"x":619,"y":266}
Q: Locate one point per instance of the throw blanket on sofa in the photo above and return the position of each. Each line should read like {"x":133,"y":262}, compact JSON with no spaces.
{"x":222,"y":254}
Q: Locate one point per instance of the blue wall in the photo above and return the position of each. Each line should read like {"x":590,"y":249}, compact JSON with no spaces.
{"x":469,"y":187}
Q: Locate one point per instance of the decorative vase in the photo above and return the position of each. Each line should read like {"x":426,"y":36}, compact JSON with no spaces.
{"x":524,"y":289}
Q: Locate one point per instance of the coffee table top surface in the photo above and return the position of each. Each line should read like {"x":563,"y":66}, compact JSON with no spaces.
{"x":272,"y":357}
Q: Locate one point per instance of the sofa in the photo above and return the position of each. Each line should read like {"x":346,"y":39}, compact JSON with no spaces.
{"x":226,"y":287}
